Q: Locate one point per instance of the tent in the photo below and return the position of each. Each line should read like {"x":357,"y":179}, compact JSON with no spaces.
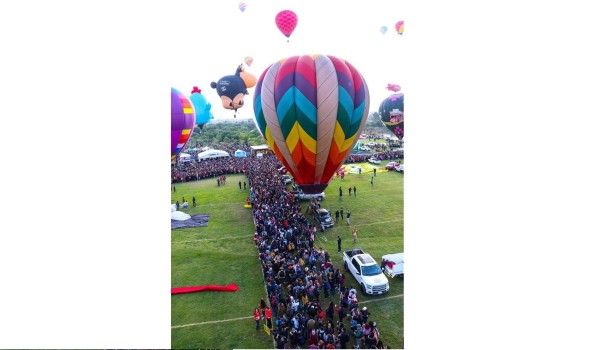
{"x":358,"y":144}
{"x":184,"y":157}
{"x":212,"y":153}
{"x":240,"y":154}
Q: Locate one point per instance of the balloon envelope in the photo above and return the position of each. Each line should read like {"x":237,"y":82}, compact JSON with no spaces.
{"x":400,"y":27}
{"x":248,"y":60}
{"x":393,"y":87}
{"x":286,"y":21}
{"x":383,"y":29}
{"x":201,"y":107}
{"x":391,"y":111}
{"x":231,"y":89}
{"x":242,"y":6}
{"x":311,"y":110}
{"x":182,"y":121}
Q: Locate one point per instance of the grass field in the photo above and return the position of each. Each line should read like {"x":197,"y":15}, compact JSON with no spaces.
{"x":224,"y":253}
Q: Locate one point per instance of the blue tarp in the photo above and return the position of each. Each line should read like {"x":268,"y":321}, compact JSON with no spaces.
{"x":200,"y":220}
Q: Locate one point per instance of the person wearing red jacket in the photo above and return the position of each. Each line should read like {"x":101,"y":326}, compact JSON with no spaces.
{"x":268,"y":314}
{"x":257,"y":317}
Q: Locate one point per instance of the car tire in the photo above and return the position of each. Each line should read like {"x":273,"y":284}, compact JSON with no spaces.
{"x":346,"y":266}
{"x":363,"y":289}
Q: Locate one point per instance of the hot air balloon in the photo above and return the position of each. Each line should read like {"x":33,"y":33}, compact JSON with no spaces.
{"x":201,"y":106}
{"x":232,"y":88}
{"x":286,"y":21}
{"x":391,"y":111}
{"x":383,"y":29}
{"x":311,"y":110}
{"x":393,"y":87}
{"x":242,"y":6}
{"x":248,"y":60}
{"x":400,"y":27}
{"x":182,"y":121}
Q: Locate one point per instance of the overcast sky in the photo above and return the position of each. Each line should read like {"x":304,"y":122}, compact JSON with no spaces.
{"x":221,"y":36}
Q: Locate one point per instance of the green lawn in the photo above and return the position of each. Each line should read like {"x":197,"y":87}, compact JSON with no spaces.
{"x":224,"y":253}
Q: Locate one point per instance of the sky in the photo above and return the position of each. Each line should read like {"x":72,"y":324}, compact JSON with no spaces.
{"x":350,"y":31}
{"x":500,"y":200}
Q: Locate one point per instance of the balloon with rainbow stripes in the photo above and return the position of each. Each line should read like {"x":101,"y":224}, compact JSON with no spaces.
{"x":183,"y":118}
{"x":310,"y":110}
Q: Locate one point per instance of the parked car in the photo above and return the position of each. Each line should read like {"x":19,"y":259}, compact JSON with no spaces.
{"x":323,"y":217}
{"x":300,"y":195}
{"x":364,"y":148}
{"x":400,"y":168}
{"x":366,"y":271}
{"x":287,"y":179}
{"x":373,"y":160}
{"x":391,"y":165}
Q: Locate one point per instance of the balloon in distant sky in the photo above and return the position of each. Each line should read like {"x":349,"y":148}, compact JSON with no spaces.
{"x":286,"y":21}
{"x":391,"y":111}
{"x":201,"y":107}
{"x":311,"y":110}
{"x":383,"y":29}
{"x":182,"y":121}
{"x":232,"y":88}
{"x":400,"y":27}
{"x":242,"y":6}
{"x":248,"y":60}
{"x":393,"y":87}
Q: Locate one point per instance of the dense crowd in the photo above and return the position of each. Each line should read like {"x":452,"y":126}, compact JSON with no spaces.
{"x":308,"y":304}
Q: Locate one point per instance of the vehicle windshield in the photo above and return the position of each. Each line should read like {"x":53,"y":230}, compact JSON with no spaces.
{"x":371,"y":270}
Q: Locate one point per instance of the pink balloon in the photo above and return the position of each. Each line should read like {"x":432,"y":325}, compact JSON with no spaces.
{"x":286,"y":21}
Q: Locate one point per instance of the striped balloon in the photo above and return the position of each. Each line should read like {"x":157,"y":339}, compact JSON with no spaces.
{"x":183,"y":118}
{"x":311,"y":111}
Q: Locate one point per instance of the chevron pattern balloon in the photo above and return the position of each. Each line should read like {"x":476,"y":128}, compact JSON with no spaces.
{"x":311,"y":111}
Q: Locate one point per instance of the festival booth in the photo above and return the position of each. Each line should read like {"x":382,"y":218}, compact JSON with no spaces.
{"x":239,"y":154}
{"x":212,"y":154}
{"x":184,"y":157}
{"x":394,"y":265}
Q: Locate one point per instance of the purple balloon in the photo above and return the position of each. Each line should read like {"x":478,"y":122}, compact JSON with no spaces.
{"x":183,"y":117}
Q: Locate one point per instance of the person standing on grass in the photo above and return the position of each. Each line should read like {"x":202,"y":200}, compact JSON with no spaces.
{"x":374,"y":172}
{"x":268,"y":315}
{"x":371,"y":181}
{"x":339,"y":241}
{"x":354,"y":191}
{"x":174,"y":189}
{"x":257,"y":318}
{"x":337,"y":215}
{"x":240,"y":183}
{"x":350,"y":191}
{"x":177,"y":205}
{"x":342,"y":213}
{"x":194,"y":201}
{"x":354,"y":235}
{"x":348,"y":219}
{"x":341,"y":193}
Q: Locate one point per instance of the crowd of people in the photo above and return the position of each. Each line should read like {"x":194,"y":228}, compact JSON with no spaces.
{"x":197,"y":170}
{"x":308,"y":304}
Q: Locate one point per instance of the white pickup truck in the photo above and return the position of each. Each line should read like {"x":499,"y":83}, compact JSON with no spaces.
{"x":366,"y":271}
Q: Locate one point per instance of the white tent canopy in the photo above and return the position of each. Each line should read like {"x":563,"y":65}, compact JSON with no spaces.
{"x":212,"y":153}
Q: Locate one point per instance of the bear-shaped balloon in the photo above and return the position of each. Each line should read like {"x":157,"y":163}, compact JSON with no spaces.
{"x":232,"y":88}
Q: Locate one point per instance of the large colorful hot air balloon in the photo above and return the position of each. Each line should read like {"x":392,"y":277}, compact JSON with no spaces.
{"x":391,"y":111}
{"x":232,"y":88}
{"x":286,"y":21}
{"x":400,"y":27}
{"x":201,"y":107}
{"x":182,"y":121}
{"x":311,"y":110}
